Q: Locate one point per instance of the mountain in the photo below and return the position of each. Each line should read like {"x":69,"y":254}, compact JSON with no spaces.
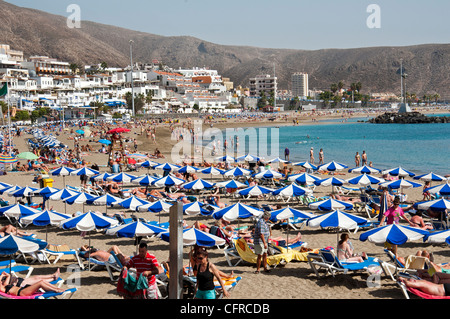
{"x":40,"y":33}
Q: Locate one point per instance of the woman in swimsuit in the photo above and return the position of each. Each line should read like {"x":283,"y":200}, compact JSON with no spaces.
{"x":345,"y":251}
{"x":205,"y":273}
{"x":29,"y":286}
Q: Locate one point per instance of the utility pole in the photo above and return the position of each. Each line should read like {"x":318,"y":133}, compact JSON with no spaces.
{"x":132,"y":83}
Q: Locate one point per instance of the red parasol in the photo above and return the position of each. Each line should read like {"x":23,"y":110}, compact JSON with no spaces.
{"x":118,"y":130}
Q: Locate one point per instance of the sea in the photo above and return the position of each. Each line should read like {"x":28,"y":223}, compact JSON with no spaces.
{"x":420,"y":148}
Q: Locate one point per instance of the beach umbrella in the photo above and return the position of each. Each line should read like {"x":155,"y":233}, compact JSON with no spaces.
{"x":45,"y":191}
{"x":135,"y":229}
{"x":100,"y":177}
{"x":88,"y":222}
{"x":61,"y":194}
{"x":197,"y":184}
{"x":118,"y":130}
{"x":9,"y":189}
{"x":11,"y":244}
{"x":247,"y":158}
{"x":62,"y":171}
{"x":277,"y":160}
{"x":256,"y":190}
{"x":85,"y":171}
{"x":6,"y":159}
{"x":212,"y":171}
{"x":231,"y":184}
{"x":443,"y":189}
{"x":364,"y":170}
{"x":17,"y":211}
{"x":131,"y":202}
{"x":330,"y":204}
{"x":431,"y":177}
{"x":167,"y":167}
{"x":147,"y":164}
{"x":168,"y":181}
{"x":237,"y":171}
{"x":194,"y":236}
{"x":155,"y":207}
{"x":144,"y":180}
{"x":187,"y":169}
{"x":27,"y":156}
{"x":292,"y":190}
{"x":195,"y":208}
{"x":331,"y":181}
{"x":121,"y":178}
{"x":439,"y":237}
{"x":22,"y":191}
{"x":44,"y":218}
{"x":393,"y":234}
{"x":436,"y":205}
{"x":364,"y":180}
{"x":81,"y":132}
{"x":332,"y":166}
{"x":303,"y":178}
{"x":336,"y":219}
{"x":400,"y":183}
{"x":268,"y":174}
{"x":80,"y":198}
{"x":4,"y":185}
{"x":225,"y":158}
{"x":103,"y":141}
{"x":236,"y":211}
{"x":287,"y":213}
{"x":398,"y":171}
{"x":306,"y":165}
{"x":103,"y":200}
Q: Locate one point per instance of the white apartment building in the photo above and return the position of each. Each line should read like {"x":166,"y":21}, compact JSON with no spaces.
{"x":299,"y":82}
{"x":263,"y":83}
{"x":46,"y":65}
{"x":206,"y":78}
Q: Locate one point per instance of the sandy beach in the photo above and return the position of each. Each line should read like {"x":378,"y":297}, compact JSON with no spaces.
{"x":294,"y":280}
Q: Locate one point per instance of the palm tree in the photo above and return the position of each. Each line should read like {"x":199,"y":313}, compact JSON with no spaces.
{"x":436,"y":96}
{"x":334,"y":88}
{"x":340,"y":85}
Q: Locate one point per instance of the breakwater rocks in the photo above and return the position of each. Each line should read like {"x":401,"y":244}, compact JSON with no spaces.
{"x":408,"y":118}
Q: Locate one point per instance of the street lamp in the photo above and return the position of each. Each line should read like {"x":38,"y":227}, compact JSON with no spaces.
{"x":132,"y":83}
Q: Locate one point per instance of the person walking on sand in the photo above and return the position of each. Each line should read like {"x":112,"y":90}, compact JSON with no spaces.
{"x":261,"y":237}
{"x":357,"y":159}
{"x":364,"y":158}
{"x":321,"y":157}
{"x":311,"y":155}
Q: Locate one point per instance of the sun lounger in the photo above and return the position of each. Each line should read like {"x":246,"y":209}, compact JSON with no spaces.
{"x":328,"y":260}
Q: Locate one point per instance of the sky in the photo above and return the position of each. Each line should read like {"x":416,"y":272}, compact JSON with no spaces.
{"x":283,"y":24}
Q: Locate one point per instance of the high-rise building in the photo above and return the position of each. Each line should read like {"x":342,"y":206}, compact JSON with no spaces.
{"x":263,"y":83}
{"x":299,"y":81}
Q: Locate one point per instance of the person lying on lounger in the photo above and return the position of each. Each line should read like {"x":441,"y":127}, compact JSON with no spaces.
{"x":427,"y":287}
{"x":23,"y":289}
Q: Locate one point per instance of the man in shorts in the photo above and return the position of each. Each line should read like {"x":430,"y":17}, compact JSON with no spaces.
{"x":261,"y":240}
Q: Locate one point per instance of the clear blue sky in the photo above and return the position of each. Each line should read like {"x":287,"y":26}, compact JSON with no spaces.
{"x":293,"y":24}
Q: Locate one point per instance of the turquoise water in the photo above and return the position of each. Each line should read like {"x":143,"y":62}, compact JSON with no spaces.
{"x":420,"y":148}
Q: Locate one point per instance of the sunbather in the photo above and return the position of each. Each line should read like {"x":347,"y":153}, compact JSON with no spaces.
{"x":21,"y":282}
{"x":427,"y":287}
{"x":281,"y":241}
{"x":26,"y":289}
{"x":103,"y":255}
{"x":11,"y":230}
{"x":345,"y":251}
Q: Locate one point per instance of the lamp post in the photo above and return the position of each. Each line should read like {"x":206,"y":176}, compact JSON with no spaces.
{"x":132,"y":83}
